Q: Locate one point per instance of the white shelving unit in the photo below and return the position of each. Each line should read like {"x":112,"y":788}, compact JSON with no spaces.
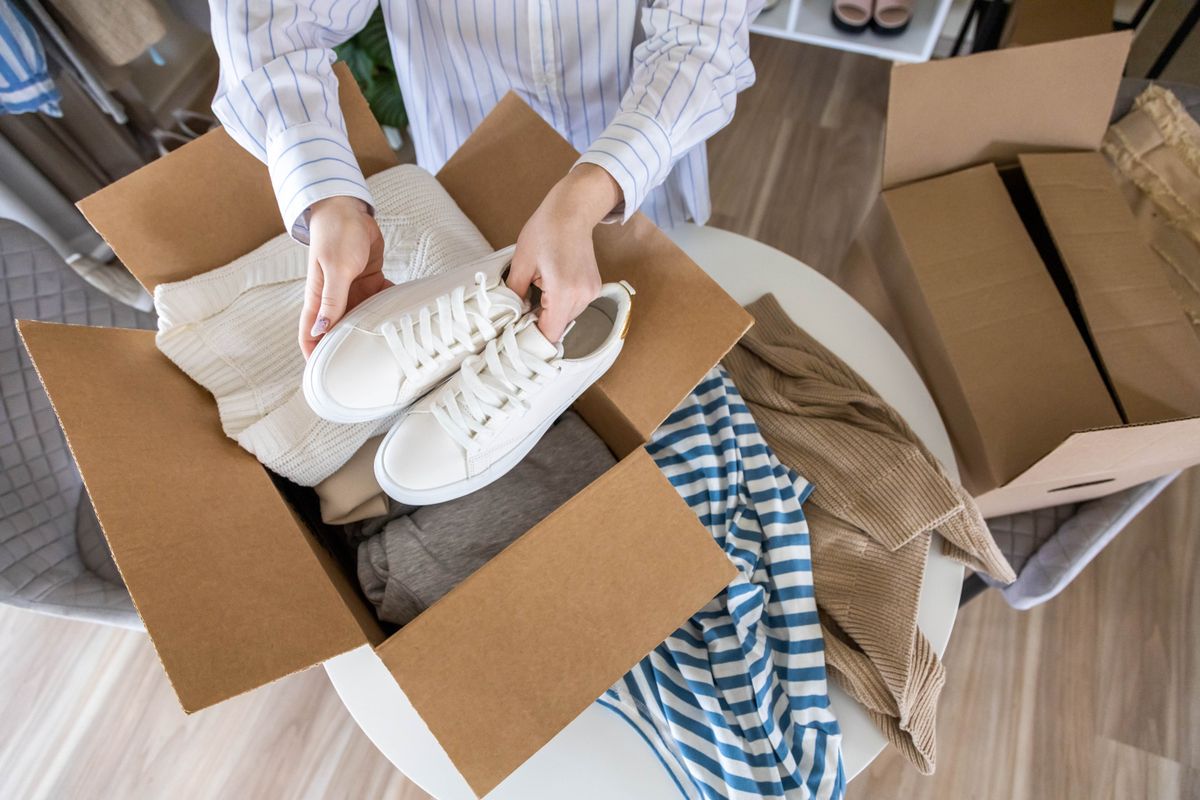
{"x":809,"y":21}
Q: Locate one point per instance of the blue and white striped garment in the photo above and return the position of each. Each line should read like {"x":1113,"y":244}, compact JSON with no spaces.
{"x":25,"y":83}
{"x":636,"y":86}
{"x":735,"y":702}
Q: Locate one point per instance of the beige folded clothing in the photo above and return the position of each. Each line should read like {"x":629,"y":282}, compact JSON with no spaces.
{"x":233,"y":329}
{"x":352,"y":494}
{"x":1155,"y":150}
{"x":879,"y":494}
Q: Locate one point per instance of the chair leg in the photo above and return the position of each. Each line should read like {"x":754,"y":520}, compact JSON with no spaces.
{"x":972,"y":12}
{"x":972,"y":587}
{"x":1181,"y":33}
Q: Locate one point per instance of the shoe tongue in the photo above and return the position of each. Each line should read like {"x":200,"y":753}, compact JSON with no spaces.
{"x":531,"y":340}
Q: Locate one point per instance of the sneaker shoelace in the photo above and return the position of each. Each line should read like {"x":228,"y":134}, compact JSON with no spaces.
{"x":438,"y":326}
{"x":496,"y":383}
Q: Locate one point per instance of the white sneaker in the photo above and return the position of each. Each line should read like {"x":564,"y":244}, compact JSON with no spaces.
{"x":396,"y":346}
{"x":483,"y":421}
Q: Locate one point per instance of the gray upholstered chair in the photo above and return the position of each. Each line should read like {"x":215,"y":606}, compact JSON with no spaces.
{"x":53,"y":557}
{"x":1049,"y":547}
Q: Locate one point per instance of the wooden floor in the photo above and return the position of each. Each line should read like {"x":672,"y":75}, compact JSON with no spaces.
{"x":1095,"y":695}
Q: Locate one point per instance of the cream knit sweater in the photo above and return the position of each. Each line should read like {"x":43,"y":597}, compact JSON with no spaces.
{"x":233,"y":329}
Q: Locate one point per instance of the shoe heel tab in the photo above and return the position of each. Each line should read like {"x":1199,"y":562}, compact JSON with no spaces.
{"x":629,"y":309}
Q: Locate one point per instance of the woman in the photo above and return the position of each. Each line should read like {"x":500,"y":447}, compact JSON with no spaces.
{"x":636,"y":87}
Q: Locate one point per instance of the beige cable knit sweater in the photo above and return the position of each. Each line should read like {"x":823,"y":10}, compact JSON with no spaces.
{"x":233,"y":329}
{"x":879,"y":494}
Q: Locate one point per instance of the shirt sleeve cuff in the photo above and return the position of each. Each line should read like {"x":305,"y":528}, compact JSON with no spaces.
{"x":636,"y":151}
{"x":311,"y":162}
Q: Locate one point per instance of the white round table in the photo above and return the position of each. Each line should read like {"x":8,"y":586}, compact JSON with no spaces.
{"x":599,"y":756}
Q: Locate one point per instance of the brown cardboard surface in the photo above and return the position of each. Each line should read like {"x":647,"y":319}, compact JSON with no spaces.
{"x":996,"y":330}
{"x":571,"y":606}
{"x":990,"y":107}
{"x":1146,"y":346}
{"x":1098,"y":462}
{"x":205,"y":204}
{"x":1038,"y":21}
{"x":498,"y":178}
{"x":228,"y":586}
{"x":879,"y":265}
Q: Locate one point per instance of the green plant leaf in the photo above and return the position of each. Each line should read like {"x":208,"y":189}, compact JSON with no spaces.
{"x":368,"y":54}
{"x":360,"y":64}
{"x":387,"y":104}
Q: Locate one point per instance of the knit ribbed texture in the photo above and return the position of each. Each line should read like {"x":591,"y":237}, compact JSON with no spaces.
{"x":879,"y":493}
{"x":1155,"y":150}
{"x":233,"y":329}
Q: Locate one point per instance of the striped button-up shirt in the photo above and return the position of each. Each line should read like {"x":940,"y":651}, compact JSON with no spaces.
{"x":636,"y":87}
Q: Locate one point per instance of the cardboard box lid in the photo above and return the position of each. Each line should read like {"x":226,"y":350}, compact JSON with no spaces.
{"x":1118,"y":456}
{"x":210,"y":201}
{"x":229,"y":587}
{"x":585,"y":595}
{"x":1011,"y":346}
{"x":990,"y":107}
{"x":1146,"y":346}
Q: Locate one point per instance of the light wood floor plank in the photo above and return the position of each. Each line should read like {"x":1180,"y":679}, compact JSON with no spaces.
{"x":1093,"y":690}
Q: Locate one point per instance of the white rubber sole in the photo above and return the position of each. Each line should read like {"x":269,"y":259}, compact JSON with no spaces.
{"x":453,"y":491}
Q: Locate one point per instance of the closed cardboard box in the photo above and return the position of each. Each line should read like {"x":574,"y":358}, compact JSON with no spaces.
{"x":236,"y":591}
{"x":1014,"y":275}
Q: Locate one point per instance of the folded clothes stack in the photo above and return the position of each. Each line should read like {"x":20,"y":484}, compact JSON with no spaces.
{"x":448,"y":362}
{"x":879,"y":496}
{"x":411,"y":557}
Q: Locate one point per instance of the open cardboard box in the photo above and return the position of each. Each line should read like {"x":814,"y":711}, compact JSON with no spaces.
{"x":1014,"y":275}
{"x":236,"y":592}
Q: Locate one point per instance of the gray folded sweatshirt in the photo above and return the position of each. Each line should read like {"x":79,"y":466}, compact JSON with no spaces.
{"x":412,"y":557}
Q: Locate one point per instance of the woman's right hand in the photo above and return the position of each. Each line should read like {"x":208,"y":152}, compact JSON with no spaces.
{"x":345,"y":265}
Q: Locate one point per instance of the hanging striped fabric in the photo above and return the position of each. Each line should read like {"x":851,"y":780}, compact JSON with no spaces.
{"x":734,"y":703}
{"x":25,"y":83}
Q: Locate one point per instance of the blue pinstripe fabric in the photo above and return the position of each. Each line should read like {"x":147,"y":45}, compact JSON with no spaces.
{"x":25,"y":83}
{"x":735,"y":702}
{"x":635,"y":86}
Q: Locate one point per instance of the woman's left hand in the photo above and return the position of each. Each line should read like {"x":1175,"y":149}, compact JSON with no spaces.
{"x":554,"y":249}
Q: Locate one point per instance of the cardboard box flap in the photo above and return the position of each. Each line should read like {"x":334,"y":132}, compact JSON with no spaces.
{"x":1106,"y":454}
{"x":210,"y":201}
{"x":994,"y":306}
{"x":946,"y":115}
{"x":500,"y":175}
{"x":1099,"y":462}
{"x":231,"y":592}
{"x":525,"y":644}
{"x":1147,"y":347}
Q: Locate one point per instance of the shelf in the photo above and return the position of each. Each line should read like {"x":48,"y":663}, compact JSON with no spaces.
{"x":809,"y":21}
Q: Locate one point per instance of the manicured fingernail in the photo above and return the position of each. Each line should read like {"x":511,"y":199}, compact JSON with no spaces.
{"x":321,"y":325}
